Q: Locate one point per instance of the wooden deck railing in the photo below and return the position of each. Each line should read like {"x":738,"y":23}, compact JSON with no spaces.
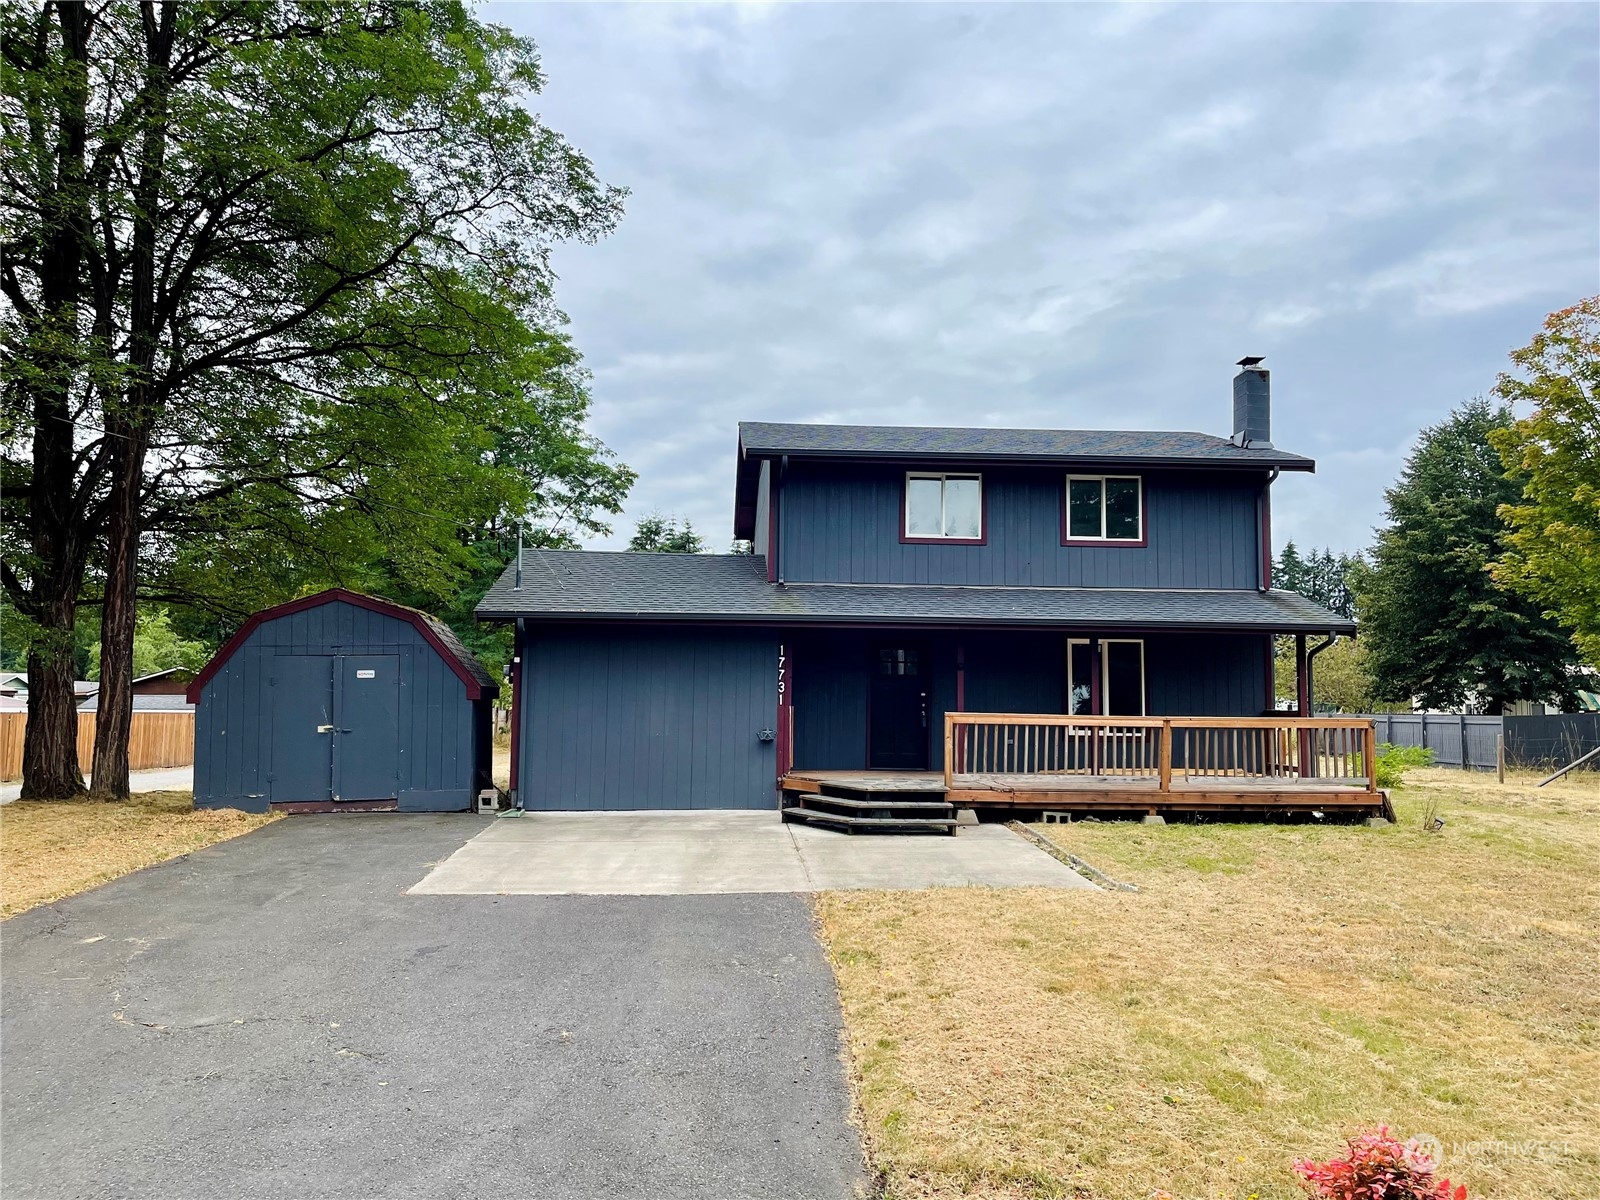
{"x":1329,"y":750}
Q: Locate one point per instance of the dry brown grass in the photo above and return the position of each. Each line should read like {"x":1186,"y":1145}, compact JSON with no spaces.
{"x":1270,"y":989}
{"x":51,"y":849}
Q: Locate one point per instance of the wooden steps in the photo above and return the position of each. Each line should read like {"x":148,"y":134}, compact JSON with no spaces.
{"x":866,"y":809}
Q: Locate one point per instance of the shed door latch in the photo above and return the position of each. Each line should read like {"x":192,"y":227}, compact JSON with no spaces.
{"x":324,"y":728}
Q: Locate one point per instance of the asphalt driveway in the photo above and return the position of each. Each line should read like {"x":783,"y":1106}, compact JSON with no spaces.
{"x":275,"y":1017}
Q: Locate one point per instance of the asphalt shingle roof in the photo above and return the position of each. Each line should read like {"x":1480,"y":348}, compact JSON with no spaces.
{"x":1095,"y":445}
{"x":609,"y":585}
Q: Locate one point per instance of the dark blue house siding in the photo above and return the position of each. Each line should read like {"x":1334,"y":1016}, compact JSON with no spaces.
{"x":841,"y":523}
{"x":443,"y":743}
{"x":1185,"y":675}
{"x":627,"y":717}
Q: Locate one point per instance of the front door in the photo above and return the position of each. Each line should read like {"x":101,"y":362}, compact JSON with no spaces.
{"x":302,"y":728}
{"x":367,"y":750}
{"x":898,"y":738}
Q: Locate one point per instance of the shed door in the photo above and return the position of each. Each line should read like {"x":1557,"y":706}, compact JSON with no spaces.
{"x":302,"y":728}
{"x":367,"y":751}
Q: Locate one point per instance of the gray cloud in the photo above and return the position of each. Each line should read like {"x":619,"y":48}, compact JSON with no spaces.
{"x":1069,"y":216}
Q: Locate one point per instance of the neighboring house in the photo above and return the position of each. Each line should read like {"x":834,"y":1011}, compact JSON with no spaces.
{"x":900,"y":573}
{"x":160,"y":691}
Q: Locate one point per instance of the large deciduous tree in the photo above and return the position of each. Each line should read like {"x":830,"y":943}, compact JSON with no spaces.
{"x":1435,"y":624}
{"x":279,"y":303}
{"x":1552,"y":552}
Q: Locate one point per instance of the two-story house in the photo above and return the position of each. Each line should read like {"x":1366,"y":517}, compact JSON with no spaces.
{"x":900,"y":574}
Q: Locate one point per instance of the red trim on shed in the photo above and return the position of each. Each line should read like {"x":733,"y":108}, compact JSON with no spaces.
{"x":411,"y":616}
{"x":518,"y":682}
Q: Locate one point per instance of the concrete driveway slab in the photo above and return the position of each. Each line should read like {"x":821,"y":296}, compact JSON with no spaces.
{"x":274,"y":1017}
{"x":712,"y":853}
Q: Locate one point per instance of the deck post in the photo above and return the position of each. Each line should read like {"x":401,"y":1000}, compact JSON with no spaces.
{"x":1166,"y":756}
{"x":1370,"y":737}
{"x":949,"y":757}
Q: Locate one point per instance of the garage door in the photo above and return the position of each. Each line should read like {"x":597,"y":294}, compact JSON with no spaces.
{"x":643,"y":719}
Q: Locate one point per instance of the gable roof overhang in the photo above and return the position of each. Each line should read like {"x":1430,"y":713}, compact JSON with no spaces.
{"x":461,"y":661}
{"x":1086,"y":449}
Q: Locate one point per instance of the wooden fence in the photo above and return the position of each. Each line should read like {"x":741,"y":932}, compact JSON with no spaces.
{"x":157,"y":739}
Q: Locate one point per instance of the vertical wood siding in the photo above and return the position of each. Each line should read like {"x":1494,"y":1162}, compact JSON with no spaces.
{"x":628,"y":718}
{"x":439,"y":745}
{"x":1198,"y":674}
{"x":842,"y":524}
{"x":763,"y":509}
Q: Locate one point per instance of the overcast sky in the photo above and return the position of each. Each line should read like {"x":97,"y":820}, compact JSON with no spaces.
{"x":1068,"y":216}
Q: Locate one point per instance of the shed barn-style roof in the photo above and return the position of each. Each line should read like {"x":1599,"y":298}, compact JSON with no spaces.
{"x":620,"y":585}
{"x":461,"y":661}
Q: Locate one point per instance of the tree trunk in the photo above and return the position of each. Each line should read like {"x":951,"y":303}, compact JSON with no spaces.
{"x":50,"y":745}
{"x":131,"y":422}
{"x":118,"y":617}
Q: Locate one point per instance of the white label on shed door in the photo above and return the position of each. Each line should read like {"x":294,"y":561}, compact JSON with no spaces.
{"x":366,"y":674}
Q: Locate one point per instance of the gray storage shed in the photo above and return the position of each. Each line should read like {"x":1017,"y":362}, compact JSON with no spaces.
{"x":342,"y":701}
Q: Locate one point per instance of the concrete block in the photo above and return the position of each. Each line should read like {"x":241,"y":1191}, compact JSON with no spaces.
{"x":1154,"y":819}
{"x":1378,"y":823}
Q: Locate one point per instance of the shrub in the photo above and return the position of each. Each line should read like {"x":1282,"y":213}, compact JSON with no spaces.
{"x":1395,"y":761}
{"x":1378,"y":1166}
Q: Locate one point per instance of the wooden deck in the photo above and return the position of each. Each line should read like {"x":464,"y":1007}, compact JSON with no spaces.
{"x":1006,"y":761}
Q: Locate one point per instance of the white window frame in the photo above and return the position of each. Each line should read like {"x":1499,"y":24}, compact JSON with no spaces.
{"x":941,"y":476}
{"x":1105,"y":662}
{"x":1066,"y":511}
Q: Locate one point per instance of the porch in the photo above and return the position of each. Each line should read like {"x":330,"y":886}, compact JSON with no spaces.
{"x":998,"y":762}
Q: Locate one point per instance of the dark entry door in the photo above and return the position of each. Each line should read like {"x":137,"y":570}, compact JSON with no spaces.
{"x":367,"y":751}
{"x":302,"y":728}
{"x":899,"y":714}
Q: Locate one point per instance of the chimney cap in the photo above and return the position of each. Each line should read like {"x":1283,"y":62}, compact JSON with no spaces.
{"x":1251,"y":360}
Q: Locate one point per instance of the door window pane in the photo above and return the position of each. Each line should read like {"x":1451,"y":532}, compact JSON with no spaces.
{"x":962,"y":508}
{"x":924,"y":507}
{"x":1122,"y":509}
{"x":1124,"y":679}
{"x":1083,"y":508}
{"x":1080,"y":701}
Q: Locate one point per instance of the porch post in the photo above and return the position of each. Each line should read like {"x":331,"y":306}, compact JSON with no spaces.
{"x":784,"y":730}
{"x":1095,"y":691}
{"x":961,"y":677}
{"x":1302,"y":690}
{"x":1302,"y":677}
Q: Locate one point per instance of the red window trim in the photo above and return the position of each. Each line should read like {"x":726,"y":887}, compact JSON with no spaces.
{"x":1113,"y":543}
{"x":983,"y":511}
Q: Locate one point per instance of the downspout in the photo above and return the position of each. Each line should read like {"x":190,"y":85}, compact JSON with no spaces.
{"x":1264,"y":578}
{"x":1264,"y":520}
{"x":1311,"y":655}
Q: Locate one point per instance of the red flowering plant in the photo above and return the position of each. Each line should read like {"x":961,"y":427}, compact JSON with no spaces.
{"x":1379,"y":1166}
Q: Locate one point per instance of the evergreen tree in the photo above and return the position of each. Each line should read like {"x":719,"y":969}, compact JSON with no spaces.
{"x":1436,"y":625}
{"x":658,"y":534}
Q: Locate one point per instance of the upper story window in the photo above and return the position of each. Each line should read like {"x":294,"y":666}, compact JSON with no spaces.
{"x":943,"y":508}
{"x":1105,"y":508}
